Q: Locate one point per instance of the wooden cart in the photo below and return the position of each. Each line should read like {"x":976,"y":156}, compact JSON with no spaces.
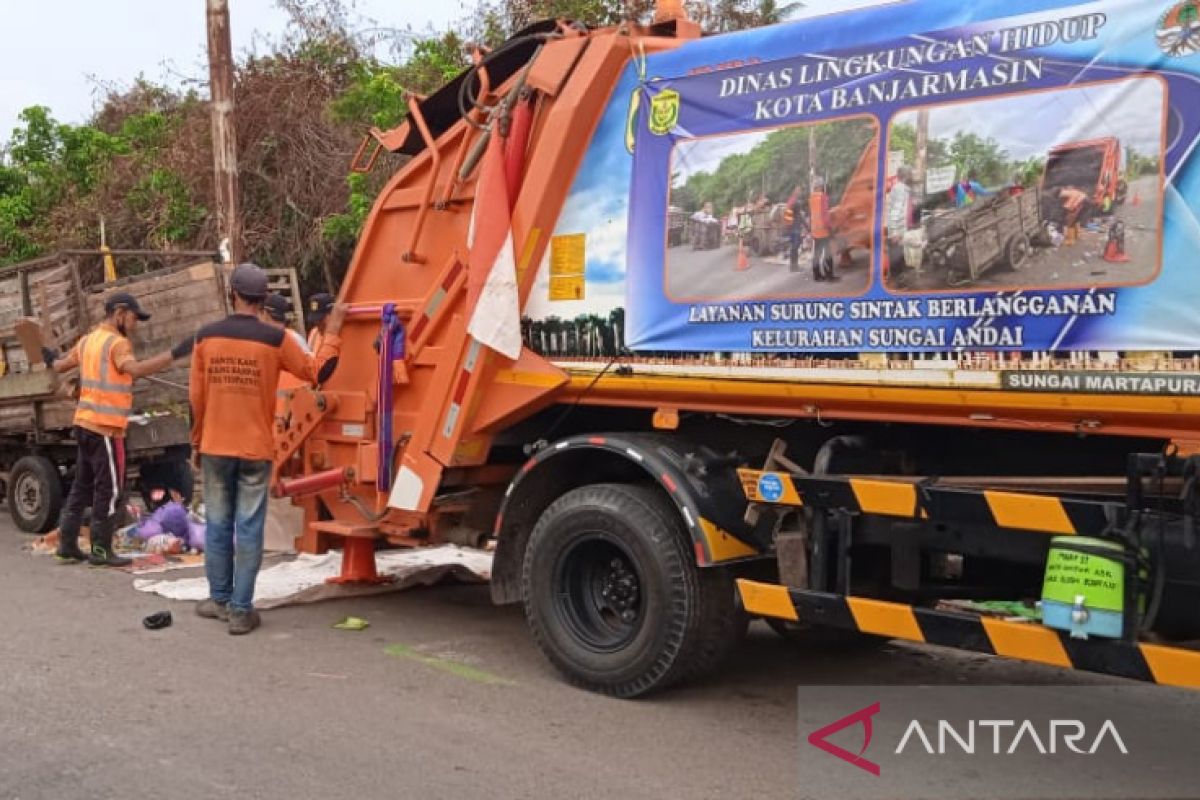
{"x":66,"y":292}
{"x":997,"y":231}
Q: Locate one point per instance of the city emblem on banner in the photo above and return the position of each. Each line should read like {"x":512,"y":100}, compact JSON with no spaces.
{"x":664,"y":112}
{"x":1179,"y":29}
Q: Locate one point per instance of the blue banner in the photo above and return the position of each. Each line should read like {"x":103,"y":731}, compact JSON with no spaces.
{"x":923,"y":177}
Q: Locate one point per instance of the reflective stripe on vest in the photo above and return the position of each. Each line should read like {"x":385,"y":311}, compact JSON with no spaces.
{"x":105,"y":394}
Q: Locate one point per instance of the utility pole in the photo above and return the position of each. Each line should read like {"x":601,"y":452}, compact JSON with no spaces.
{"x":921,"y":167}
{"x":812,"y":153}
{"x":224,"y":133}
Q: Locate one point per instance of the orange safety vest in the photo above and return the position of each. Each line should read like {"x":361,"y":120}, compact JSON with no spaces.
{"x":818,"y":206}
{"x":105,"y":393}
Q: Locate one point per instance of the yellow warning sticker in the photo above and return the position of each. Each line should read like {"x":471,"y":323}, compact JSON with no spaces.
{"x":566,"y":287}
{"x":567,"y":266}
{"x":567,"y":254}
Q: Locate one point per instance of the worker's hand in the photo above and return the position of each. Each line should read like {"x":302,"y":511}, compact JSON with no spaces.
{"x":184,"y":348}
{"x":49,"y":356}
{"x":195,"y":459}
{"x":337,"y":316}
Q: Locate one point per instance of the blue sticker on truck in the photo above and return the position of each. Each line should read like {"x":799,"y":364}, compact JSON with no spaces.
{"x":770,"y":488}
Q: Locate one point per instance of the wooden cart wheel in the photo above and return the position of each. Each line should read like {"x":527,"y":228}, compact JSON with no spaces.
{"x":1017,"y":251}
{"x":955,"y":274}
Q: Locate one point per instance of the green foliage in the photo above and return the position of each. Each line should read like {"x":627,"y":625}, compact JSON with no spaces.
{"x":343,"y":229}
{"x":143,"y":163}
{"x":723,"y":16}
{"x":778,"y":164}
{"x":45,"y":164}
{"x":376,"y":93}
{"x":1137,"y":164}
{"x":903,"y":137}
{"x":375,"y":97}
{"x":970,"y":153}
{"x":163,"y":195}
{"x":147,"y":133}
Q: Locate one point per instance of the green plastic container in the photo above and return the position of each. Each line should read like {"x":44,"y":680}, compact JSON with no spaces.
{"x":1084,"y":587}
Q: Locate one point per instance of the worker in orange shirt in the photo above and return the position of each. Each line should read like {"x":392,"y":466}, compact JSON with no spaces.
{"x":1076,"y":206}
{"x":235,"y":371}
{"x":319,"y":306}
{"x":107,"y":369}
{"x":822,"y":231}
{"x":275,"y":313}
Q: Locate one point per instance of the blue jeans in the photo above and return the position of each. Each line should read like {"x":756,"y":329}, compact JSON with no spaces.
{"x":235,"y":497}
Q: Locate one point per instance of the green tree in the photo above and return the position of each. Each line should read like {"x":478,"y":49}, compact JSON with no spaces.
{"x":970,"y":153}
{"x":780,"y":163}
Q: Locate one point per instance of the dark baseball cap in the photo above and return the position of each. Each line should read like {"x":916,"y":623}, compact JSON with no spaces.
{"x":125,"y":300}
{"x":249,"y":281}
{"x":278,"y":307}
{"x":319,"y":306}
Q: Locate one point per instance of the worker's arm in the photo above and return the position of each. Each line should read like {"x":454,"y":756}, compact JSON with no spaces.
{"x":197,"y":395}
{"x":64,"y":364}
{"x":129,"y":365}
{"x":316,"y":368}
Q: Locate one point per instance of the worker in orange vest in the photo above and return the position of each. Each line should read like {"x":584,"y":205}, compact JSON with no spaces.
{"x":107,"y":369}
{"x":822,"y":231}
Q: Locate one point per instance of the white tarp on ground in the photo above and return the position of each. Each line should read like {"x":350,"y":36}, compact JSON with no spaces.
{"x":303,"y":580}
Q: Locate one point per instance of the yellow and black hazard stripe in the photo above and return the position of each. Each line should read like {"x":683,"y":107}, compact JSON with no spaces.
{"x":1012,"y":510}
{"x":1025,"y":641}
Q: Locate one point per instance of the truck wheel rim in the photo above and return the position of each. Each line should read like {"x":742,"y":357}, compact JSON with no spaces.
{"x":28,"y":495}
{"x":598,"y":594}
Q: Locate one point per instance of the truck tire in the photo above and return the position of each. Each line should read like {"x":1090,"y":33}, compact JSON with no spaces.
{"x":175,"y":474}
{"x":35,"y":494}
{"x":613,"y":596}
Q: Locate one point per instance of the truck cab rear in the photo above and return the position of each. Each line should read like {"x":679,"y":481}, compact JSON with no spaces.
{"x":1093,"y":166}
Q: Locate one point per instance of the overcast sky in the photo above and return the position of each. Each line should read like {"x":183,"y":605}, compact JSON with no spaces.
{"x":53,"y":53}
{"x":1028,"y":125}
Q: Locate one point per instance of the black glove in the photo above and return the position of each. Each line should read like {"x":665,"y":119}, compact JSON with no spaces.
{"x":184,"y":348}
{"x":49,"y":355}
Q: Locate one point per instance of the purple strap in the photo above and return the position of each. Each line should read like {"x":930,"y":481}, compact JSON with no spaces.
{"x":391,"y":349}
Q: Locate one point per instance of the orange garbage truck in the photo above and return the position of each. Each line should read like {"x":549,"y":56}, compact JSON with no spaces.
{"x":1093,"y":166}
{"x":518,"y":366}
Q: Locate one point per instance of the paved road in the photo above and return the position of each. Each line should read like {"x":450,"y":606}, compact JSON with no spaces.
{"x":443,"y":696}
{"x":711,"y":276}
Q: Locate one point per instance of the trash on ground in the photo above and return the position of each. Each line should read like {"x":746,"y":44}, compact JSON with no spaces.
{"x":1009,"y":610}
{"x":352,"y":624}
{"x":157,"y":621}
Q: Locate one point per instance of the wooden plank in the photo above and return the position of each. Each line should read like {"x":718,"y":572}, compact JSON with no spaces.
{"x":32,"y":339}
{"x":27,"y":385}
